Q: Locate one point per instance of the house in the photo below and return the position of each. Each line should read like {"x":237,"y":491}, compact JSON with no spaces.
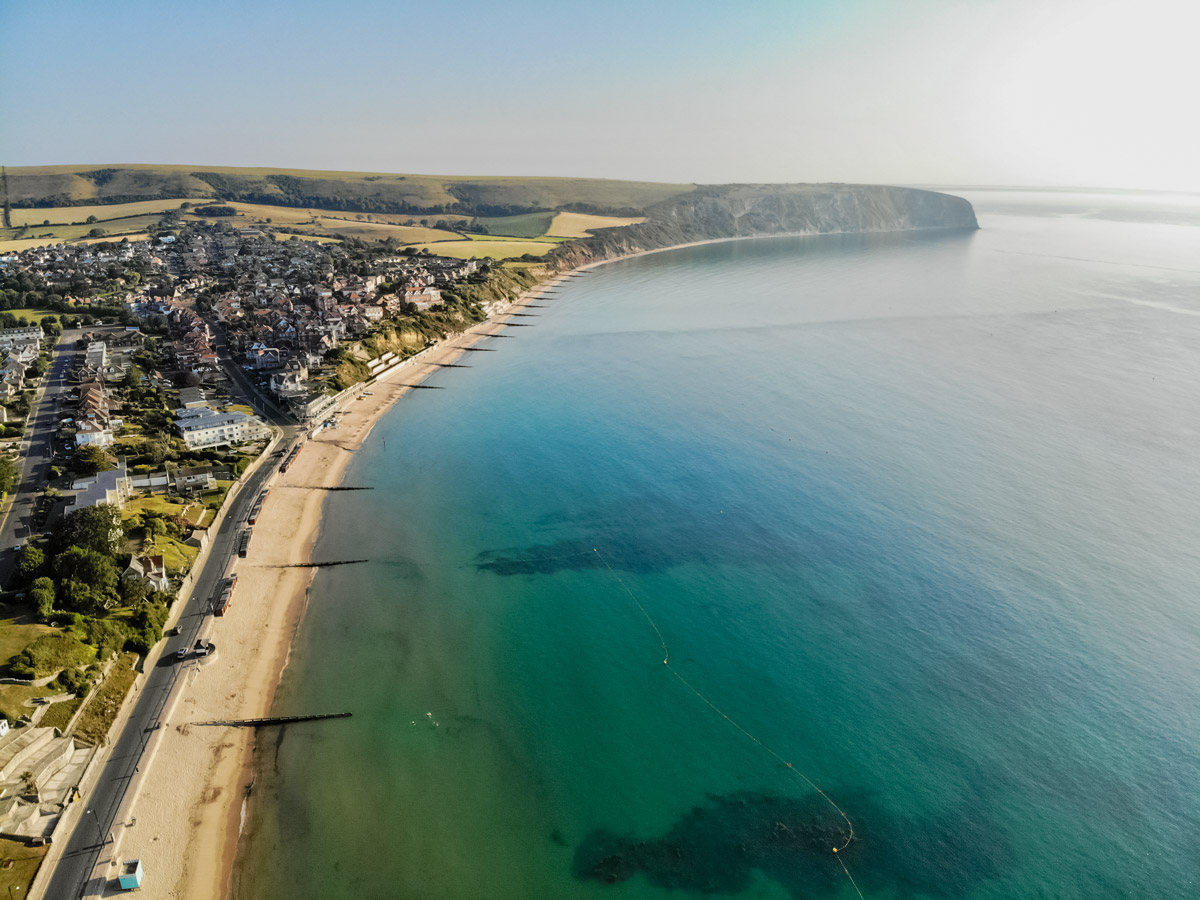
{"x":93,"y":432}
{"x":151,"y":569}
{"x":205,"y":427}
{"x":103,"y":487}
{"x":96,"y":354}
{"x":193,"y":479}
{"x":192,"y":398}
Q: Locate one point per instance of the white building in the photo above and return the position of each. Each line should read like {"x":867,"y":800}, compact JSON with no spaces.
{"x":10,"y":337}
{"x":92,"y":431}
{"x":204,"y":427}
{"x":96,"y":355}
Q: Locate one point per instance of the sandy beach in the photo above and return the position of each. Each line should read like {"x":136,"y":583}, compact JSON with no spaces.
{"x":186,"y":818}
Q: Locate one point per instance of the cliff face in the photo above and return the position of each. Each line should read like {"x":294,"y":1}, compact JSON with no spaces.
{"x":729,"y":211}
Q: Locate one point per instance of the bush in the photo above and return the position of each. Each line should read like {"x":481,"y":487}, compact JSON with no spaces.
{"x":107,"y":635}
{"x":48,"y":654}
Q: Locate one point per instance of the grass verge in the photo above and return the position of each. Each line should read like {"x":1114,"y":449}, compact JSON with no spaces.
{"x":102,"y":709}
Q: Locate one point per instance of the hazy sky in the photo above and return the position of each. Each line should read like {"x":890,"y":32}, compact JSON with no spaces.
{"x":1069,"y":92}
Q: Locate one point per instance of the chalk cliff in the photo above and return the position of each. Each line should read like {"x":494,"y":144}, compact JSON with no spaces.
{"x":746,"y":210}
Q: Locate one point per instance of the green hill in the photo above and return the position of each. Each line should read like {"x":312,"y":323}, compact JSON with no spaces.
{"x":374,"y":192}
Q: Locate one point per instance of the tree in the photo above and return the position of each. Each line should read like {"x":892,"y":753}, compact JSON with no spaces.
{"x":31,"y":561}
{"x":90,"y":459}
{"x":88,"y":567}
{"x":42,"y":594}
{"x":94,"y":528}
{"x":8,"y":474}
{"x":134,"y":590}
{"x":90,"y":220}
{"x":78,"y":597}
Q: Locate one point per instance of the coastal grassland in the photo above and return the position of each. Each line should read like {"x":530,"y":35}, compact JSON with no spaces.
{"x":578,"y":225}
{"x":101,"y":710}
{"x":409,"y":335}
{"x":50,"y":653}
{"x":527,"y":225}
{"x":77,"y":215}
{"x":19,"y":862}
{"x":494,"y":249}
{"x":59,"y":714}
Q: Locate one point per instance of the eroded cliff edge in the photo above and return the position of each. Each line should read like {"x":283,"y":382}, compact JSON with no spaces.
{"x":749,"y":210}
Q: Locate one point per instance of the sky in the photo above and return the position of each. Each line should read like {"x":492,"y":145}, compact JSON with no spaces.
{"x":964,"y":92}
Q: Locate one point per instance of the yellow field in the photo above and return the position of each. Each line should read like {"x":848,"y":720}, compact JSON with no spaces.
{"x":25,"y":244}
{"x":379,"y":231}
{"x":578,"y":225}
{"x":289,"y":215}
{"x":316,"y":238}
{"x":65,"y":215}
{"x":494,"y":249}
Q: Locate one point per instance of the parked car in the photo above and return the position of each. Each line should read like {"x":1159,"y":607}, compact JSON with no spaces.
{"x":181,"y":653}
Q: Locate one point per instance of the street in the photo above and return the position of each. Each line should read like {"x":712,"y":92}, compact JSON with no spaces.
{"x":44,"y":413}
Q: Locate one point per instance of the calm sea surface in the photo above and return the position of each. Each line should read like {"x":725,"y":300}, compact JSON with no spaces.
{"x":919,"y":512}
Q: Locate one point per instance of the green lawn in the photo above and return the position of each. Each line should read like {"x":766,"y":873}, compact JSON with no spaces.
{"x":51,"y":652}
{"x":17,"y":633}
{"x":18,"y":864}
{"x":33,"y":315}
{"x":14,"y":696}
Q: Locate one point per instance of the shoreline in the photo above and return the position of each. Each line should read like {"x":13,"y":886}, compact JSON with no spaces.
{"x":191,"y":811}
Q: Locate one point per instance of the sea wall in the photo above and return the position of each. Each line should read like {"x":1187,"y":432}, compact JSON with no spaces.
{"x":730,"y":211}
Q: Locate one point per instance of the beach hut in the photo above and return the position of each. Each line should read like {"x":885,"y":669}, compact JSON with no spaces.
{"x":130,"y":878}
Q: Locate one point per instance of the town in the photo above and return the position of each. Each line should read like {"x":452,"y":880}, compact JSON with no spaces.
{"x":140,"y":381}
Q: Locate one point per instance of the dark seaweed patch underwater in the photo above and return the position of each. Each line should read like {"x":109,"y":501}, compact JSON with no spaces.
{"x":715,"y":848}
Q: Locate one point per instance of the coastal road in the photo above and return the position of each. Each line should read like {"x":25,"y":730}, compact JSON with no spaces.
{"x":83,"y":848}
{"x":45,"y":411}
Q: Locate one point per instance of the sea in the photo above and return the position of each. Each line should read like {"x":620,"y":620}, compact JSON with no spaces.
{"x":746,"y":552}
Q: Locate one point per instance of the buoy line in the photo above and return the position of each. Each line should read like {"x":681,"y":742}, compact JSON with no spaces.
{"x":733,"y":722}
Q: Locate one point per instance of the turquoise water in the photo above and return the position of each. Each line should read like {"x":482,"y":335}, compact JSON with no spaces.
{"x":918,"y":512}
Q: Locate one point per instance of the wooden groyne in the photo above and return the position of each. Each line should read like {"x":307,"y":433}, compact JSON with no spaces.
{"x":316,"y":565}
{"x":479,"y":349}
{"x":277,"y":720}
{"x":451,"y":366}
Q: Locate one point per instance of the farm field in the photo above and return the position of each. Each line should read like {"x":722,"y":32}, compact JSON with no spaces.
{"x":526,"y":225}
{"x":379,"y":231}
{"x":67,"y":215}
{"x":57,"y":233}
{"x":579,"y":225}
{"x":494,"y":249}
